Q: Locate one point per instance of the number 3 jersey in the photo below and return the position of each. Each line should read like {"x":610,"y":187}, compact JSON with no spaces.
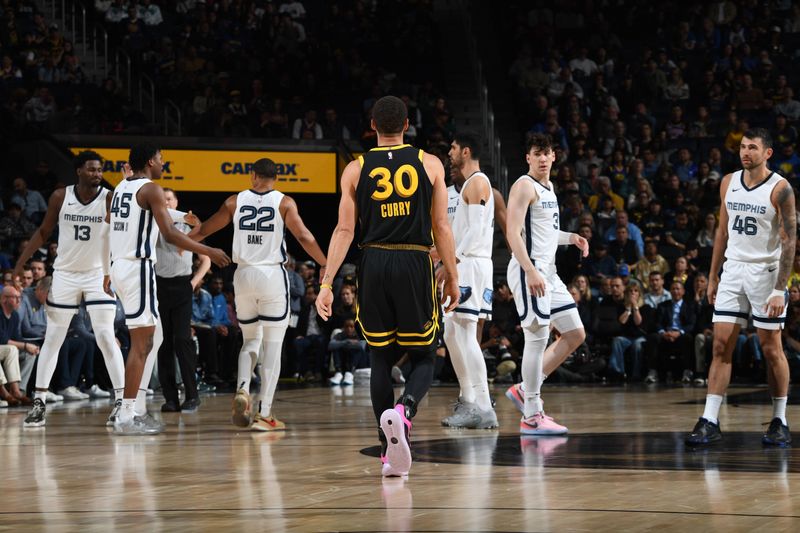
{"x":753,"y":235}
{"x":540,"y":230}
{"x":258,"y":229}
{"x":82,"y":230}
{"x":133,"y":231}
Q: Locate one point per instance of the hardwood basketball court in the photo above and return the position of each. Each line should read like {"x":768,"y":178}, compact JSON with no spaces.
{"x":623,"y":467}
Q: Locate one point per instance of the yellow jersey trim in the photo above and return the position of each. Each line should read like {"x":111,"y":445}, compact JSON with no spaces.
{"x":421,"y":155}
{"x":361,"y":161}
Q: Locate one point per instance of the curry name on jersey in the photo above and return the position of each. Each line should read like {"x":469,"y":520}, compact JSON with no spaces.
{"x":394,"y":196}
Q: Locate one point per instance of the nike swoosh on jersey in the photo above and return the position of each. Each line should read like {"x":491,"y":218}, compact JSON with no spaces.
{"x":773,"y":269}
{"x":734,"y":190}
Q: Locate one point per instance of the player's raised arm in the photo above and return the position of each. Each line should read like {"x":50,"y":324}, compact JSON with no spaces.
{"x":151,"y":196}
{"x":218,"y":220}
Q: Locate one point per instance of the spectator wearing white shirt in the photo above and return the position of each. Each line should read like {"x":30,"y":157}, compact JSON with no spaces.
{"x":307,"y":127}
{"x":582,"y":66}
{"x":117,"y":12}
{"x":150,"y":13}
{"x":295,"y":9}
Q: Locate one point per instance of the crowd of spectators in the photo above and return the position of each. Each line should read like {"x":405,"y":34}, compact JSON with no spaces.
{"x":243,"y":68}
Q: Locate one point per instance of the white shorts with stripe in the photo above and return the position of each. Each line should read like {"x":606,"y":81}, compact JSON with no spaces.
{"x":134,"y":281}
{"x":262,"y":295}
{"x":475,"y":284}
{"x":744,"y":289}
{"x":556,"y":306}
{"x":69,"y":288}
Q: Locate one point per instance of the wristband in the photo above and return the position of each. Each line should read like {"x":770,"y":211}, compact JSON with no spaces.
{"x":326,"y":286}
{"x":777,"y":292}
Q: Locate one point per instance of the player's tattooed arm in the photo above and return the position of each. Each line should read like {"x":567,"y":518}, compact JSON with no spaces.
{"x":788,"y":227}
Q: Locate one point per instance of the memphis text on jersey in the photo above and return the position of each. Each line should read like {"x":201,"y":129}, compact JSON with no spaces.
{"x":744,"y":207}
{"x":82,"y":218}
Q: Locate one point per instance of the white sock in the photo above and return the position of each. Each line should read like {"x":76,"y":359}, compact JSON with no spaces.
{"x":453,"y":340}
{"x":248,"y":357}
{"x":472,"y":356}
{"x":103,"y":326}
{"x":118,"y":393}
{"x":713,"y":403}
{"x":126,"y":413}
{"x":48,"y":355}
{"x":270,"y":368}
{"x":140,"y":405}
{"x":532,"y":361}
{"x":40,"y":395}
{"x":779,"y":409}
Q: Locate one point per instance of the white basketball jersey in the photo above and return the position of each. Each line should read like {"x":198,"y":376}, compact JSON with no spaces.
{"x":540,"y":230}
{"x":482,"y":245}
{"x":82,"y":229}
{"x":453,"y":197}
{"x":133,"y":231}
{"x":752,"y":221}
{"x":258,"y":229}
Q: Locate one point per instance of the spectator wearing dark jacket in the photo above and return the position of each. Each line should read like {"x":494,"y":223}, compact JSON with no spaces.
{"x":674,"y":335}
{"x":310,"y":341}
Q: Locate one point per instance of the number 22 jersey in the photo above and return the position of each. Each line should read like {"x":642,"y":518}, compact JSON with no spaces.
{"x":753,"y":235}
{"x":258,"y":229}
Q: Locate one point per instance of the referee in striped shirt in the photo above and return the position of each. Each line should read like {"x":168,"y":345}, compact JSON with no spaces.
{"x":175,"y":283}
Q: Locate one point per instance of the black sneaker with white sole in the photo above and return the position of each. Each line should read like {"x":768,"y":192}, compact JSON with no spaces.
{"x":777,"y":434}
{"x":36,"y":416}
{"x":704,"y":433}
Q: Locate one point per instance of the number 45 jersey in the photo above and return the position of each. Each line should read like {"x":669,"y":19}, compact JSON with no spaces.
{"x":133,"y":231}
{"x":753,"y":235}
{"x":258,"y":229}
{"x":81,"y":231}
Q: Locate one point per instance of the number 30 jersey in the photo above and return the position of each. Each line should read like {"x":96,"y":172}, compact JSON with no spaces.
{"x":82,"y":230}
{"x":133,"y":231}
{"x":540,"y":229}
{"x":394,"y":196}
{"x":258,"y":229}
{"x":753,"y":235}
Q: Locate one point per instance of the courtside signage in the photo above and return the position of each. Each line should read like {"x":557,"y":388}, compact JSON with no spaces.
{"x":229,"y":171}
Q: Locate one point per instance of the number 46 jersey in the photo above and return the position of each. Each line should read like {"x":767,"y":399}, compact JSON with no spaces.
{"x":258,"y":229}
{"x":82,"y":229}
{"x":753,"y":235}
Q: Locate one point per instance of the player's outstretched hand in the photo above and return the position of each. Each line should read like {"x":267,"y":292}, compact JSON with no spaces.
{"x":324,"y":303}
{"x":451,"y":294}
{"x":191,"y":219}
{"x":219,"y":258}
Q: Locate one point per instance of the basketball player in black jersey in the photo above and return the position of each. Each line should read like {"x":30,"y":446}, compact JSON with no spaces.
{"x":397,"y":193}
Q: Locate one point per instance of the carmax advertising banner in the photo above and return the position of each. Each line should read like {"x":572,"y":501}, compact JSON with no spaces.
{"x":229,"y":171}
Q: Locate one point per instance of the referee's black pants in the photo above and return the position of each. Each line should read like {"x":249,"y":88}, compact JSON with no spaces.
{"x":175,"y":308}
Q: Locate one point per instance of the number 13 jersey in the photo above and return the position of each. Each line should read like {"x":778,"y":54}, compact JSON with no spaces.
{"x":753,"y":235}
{"x":258,"y":229}
{"x":82,"y":229}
